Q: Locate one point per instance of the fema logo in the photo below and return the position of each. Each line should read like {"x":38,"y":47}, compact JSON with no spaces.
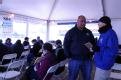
{"x":87,"y":34}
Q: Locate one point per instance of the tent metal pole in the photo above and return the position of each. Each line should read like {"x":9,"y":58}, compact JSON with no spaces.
{"x":47,"y":34}
{"x":103,"y":7}
{"x":48,"y":21}
{"x":27,"y":28}
{"x":52,"y":9}
{"x":1,"y":1}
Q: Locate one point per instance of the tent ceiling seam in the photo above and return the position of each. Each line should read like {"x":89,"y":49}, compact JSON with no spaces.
{"x":103,"y":7}
{"x":52,"y":9}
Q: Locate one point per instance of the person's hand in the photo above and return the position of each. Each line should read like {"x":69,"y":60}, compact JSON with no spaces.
{"x":89,"y":46}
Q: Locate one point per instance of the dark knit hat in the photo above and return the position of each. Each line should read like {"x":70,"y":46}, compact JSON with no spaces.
{"x":105,"y":19}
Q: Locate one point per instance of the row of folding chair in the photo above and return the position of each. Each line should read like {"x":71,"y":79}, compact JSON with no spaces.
{"x":25,"y":54}
{"x":13,"y":70}
{"x":10,"y":57}
{"x":5,"y":72}
{"x":14,"y":55}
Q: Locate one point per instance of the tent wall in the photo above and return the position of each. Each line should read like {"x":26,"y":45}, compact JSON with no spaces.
{"x":116,"y":23}
{"x":112,"y":8}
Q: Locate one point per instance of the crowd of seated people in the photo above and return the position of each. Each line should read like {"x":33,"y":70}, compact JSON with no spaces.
{"x":40,"y":58}
{"x":17,"y":47}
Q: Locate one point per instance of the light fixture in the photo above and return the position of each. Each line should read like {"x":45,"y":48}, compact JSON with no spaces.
{"x":11,"y":15}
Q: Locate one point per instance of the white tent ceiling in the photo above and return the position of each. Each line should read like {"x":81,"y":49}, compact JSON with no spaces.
{"x":63,"y":9}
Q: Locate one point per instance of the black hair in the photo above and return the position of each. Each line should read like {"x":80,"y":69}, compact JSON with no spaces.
{"x":26,"y":38}
{"x":47,"y":46}
{"x":8,"y":39}
{"x":34,"y":40}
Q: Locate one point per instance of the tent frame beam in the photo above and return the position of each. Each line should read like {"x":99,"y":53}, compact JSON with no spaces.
{"x":52,"y":9}
{"x":103,"y":7}
{"x":49,"y":17}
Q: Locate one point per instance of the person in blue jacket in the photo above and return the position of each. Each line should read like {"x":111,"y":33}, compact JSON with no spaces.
{"x":75,"y":49}
{"x":107,"y":47}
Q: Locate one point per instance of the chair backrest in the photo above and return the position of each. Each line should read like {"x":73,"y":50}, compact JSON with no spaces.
{"x":117,"y":67}
{"x":9,"y":57}
{"x":52,"y":69}
{"x":62,"y":63}
{"x":16,"y":64}
{"x":27,"y":47}
{"x":14,"y":67}
{"x":115,"y":73}
{"x":25,"y":53}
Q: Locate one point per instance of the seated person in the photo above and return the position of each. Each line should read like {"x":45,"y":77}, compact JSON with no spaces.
{"x":39,"y":40}
{"x":39,"y":70}
{"x":59,"y":52}
{"x":17,"y":48}
{"x":36,"y":48}
{"x":26,"y":44}
{"x":8,"y":42}
{"x":34,"y":52}
{"x":3,"y":51}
